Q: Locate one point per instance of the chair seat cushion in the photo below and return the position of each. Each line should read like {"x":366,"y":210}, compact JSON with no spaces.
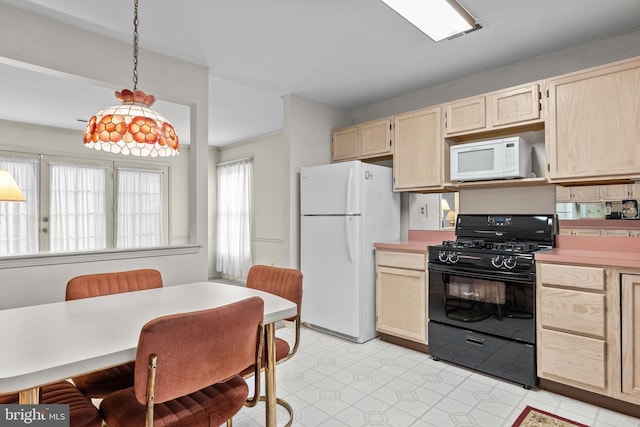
{"x":82,"y":413}
{"x":212,"y":405}
{"x":107,"y":381}
{"x":282,"y":350}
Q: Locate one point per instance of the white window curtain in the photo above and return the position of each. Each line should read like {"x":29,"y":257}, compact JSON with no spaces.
{"x":233,"y":256}
{"x":140,"y":202}
{"x":19,"y":220}
{"x":77,"y":207}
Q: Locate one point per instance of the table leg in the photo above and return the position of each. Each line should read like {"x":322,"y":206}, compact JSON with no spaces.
{"x":270,"y":375}
{"x":30,"y":396}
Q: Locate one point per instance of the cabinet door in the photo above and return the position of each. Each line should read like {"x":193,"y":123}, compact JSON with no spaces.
{"x":630,"y":320}
{"x":466,"y":115}
{"x":621,"y":233}
{"x":593,"y":125}
{"x":583,"y":193}
{"x":515,"y":106}
{"x":615,"y":192}
{"x":401,"y":303}
{"x":563,"y":194}
{"x":375,"y":138}
{"x":417,"y":152}
{"x":586,"y":193}
{"x":345,"y":144}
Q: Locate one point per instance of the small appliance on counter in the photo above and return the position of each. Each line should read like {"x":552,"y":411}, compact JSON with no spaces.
{"x":629,"y":209}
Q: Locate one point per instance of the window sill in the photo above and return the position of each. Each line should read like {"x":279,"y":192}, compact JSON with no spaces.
{"x":55,"y":258}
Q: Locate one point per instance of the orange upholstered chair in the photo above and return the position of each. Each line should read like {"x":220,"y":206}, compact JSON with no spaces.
{"x":101,"y":383}
{"x":187,"y":368}
{"x":82,"y":413}
{"x":286,"y":283}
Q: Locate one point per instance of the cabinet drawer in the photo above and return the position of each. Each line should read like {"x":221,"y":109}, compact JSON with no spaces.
{"x":574,"y":311}
{"x":580,"y":360}
{"x":571,"y":276}
{"x":409,"y":260}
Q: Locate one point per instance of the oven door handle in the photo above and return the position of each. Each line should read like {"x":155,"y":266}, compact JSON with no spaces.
{"x":479,"y":342}
{"x":504,"y":276}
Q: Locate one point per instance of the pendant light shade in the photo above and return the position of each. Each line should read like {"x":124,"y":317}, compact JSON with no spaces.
{"x":132,"y":128}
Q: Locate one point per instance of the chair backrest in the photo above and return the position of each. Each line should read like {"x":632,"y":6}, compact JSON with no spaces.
{"x":95,"y":285}
{"x":197,"y":349}
{"x":283,"y":282}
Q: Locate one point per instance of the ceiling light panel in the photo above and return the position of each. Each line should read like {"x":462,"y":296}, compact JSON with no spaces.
{"x":438,"y":19}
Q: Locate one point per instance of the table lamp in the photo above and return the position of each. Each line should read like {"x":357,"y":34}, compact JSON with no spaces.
{"x":9,"y":190}
{"x":451,"y":217}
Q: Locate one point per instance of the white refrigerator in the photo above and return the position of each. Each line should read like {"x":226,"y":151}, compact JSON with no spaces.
{"x":345,"y":208}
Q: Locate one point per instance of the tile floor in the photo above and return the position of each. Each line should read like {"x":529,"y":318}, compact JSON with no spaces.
{"x":333,"y":382}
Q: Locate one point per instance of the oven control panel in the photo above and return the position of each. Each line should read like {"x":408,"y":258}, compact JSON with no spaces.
{"x":499,"y":221}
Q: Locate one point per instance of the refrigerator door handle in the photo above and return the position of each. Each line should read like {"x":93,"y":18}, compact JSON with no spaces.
{"x":347,"y":224}
{"x":349,"y":189}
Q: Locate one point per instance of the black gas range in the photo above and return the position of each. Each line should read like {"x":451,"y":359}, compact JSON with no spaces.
{"x":496,"y":245}
{"x":482,"y":293}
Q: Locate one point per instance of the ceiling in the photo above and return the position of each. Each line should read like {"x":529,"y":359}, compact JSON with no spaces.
{"x":341,"y":53}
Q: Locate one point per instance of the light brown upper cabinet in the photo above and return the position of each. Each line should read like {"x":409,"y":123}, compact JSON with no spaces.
{"x":375,"y":138}
{"x":512,"y":107}
{"x":366,"y":140}
{"x":586,"y":193}
{"x":418,"y":148}
{"x":621,"y":191}
{"x":593,"y":124}
{"x":345,"y":144}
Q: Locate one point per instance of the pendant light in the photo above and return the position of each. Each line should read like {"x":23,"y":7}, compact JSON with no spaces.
{"x":132,"y":128}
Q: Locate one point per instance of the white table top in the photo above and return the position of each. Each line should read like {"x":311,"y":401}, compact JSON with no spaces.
{"x":49,"y":342}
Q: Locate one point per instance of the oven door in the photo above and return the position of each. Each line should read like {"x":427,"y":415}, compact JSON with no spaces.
{"x":492,"y":304}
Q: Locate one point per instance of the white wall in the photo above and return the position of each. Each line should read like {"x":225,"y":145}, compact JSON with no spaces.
{"x":510,"y":200}
{"x":539,"y":67}
{"x":43,"y":44}
{"x":307,"y":136}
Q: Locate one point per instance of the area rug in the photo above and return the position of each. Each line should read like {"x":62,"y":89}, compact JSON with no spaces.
{"x":532,"y":417}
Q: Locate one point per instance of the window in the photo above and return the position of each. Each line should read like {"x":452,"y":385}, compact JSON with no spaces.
{"x":139,"y":217}
{"x":77,"y":207}
{"x":233,"y":257}
{"x":70,"y":205}
{"x":19,"y":221}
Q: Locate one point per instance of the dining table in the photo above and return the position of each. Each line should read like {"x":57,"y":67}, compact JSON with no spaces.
{"x":45,"y":343}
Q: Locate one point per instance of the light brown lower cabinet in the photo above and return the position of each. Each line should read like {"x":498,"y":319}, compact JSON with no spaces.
{"x":588,"y":328}
{"x":630,"y":323}
{"x":401,"y":294}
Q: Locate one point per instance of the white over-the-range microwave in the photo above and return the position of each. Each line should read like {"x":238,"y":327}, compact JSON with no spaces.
{"x":503,"y":158}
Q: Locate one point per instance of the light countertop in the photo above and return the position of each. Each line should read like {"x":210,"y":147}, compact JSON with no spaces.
{"x":418,"y":240}
{"x":594,"y":250}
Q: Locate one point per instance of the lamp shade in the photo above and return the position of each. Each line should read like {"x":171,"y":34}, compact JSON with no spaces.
{"x":451,"y":217}
{"x":132,"y":128}
{"x":9,"y":190}
{"x":444,"y":205}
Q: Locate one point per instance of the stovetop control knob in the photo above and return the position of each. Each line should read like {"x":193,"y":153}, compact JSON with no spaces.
{"x":509,"y":262}
{"x":497,"y":261}
{"x":453,"y":257}
{"x":442,"y":256}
